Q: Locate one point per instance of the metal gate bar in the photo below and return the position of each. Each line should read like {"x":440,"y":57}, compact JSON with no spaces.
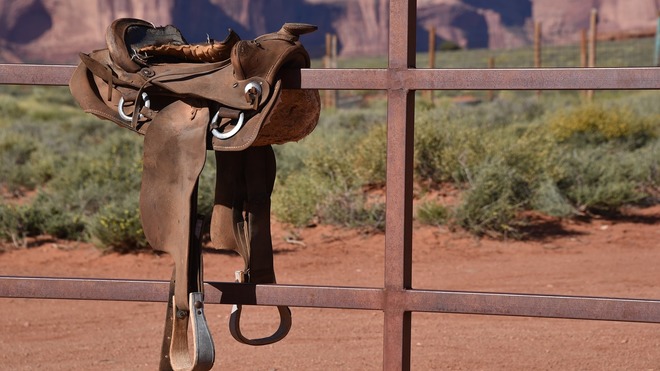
{"x":461,"y":302}
{"x":623,"y":78}
{"x":396,"y":299}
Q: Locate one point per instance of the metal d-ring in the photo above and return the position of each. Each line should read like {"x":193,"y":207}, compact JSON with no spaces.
{"x":253,"y":92}
{"x":124,"y":116}
{"x":222,"y":136}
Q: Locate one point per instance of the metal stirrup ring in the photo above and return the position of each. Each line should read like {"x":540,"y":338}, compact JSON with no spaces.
{"x":222,"y":136}
{"x":124,"y":116}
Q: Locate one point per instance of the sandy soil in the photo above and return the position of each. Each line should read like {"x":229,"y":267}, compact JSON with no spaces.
{"x":602,"y":257}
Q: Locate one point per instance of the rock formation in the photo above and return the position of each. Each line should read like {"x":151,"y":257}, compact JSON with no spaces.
{"x":54,"y":31}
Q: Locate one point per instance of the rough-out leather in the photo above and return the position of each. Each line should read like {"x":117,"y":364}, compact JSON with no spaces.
{"x":224,"y":96}
{"x":107,"y":75}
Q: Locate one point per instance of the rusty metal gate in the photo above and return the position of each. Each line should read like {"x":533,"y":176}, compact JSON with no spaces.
{"x":397,"y":299}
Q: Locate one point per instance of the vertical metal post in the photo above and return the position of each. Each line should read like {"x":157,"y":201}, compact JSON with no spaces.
{"x":400,"y":132}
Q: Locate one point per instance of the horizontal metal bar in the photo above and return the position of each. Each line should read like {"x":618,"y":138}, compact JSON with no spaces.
{"x":338,"y":79}
{"x":533,"y":305}
{"x":463,"y":302}
{"x":643,"y":78}
{"x":214,"y":292}
{"x":35,"y":74}
{"x":534,"y":79}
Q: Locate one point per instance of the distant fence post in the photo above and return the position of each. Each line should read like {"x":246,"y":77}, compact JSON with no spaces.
{"x":537,"y":48}
{"x":537,"y":44}
{"x":583,"y":48}
{"x":583,"y":54}
{"x":656,"y":57}
{"x":491,"y":64}
{"x":330,"y":61}
{"x":428,"y":94}
{"x":593,"y":34}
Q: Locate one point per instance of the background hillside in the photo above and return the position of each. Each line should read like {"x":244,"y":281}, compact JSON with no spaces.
{"x":54,"y":31}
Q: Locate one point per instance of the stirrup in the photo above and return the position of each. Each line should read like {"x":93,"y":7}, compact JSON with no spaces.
{"x":235,"y":323}
{"x":203,"y":348}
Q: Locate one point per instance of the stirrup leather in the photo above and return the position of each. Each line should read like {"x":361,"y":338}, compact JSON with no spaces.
{"x":243,"y":237}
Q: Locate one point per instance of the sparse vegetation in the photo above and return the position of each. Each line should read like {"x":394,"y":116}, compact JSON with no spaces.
{"x":69,"y":175}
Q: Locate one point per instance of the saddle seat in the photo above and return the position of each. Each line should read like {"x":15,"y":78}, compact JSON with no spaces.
{"x":239,"y":76}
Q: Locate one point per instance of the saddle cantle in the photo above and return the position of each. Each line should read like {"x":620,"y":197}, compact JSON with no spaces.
{"x":225,"y":96}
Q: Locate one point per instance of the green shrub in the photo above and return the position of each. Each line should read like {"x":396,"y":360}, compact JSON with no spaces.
{"x":495,"y":197}
{"x":39,"y":217}
{"x":513,"y":154}
{"x":370,"y":157}
{"x":550,"y":200}
{"x":595,"y":124}
{"x":44,"y":215}
{"x":433,"y":213}
{"x":10,"y":107}
{"x":351,"y":208}
{"x":598,"y":178}
{"x":117,"y":226}
{"x":9,"y":222}
{"x":17,"y":152}
{"x":445,"y":150}
{"x":295,"y":199}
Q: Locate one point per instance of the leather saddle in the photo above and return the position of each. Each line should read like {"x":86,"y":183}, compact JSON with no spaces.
{"x":186,"y":99}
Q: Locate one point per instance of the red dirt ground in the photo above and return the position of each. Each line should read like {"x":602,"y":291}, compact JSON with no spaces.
{"x":604,"y":257}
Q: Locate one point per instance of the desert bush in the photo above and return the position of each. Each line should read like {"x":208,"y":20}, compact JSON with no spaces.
{"x":9,"y":222}
{"x":370,"y":157}
{"x":445,"y":148}
{"x":331,"y":167}
{"x":10,"y":108}
{"x":514,"y":154}
{"x":496,"y":195}
{"x":45,"y":216}
{"x":600,"y":178}
{"x":433,"y":213}
{"x":17,"y":152}
{"x":39,"y":217}
{"x":351,"y":208}
{"x":117,"y":227}
{"x":295,"y":198}
{"x":596,"y":124}
{"x":550,"y":200}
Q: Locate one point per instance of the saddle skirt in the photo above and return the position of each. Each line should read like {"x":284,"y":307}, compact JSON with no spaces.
{"x":145,"y":68}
